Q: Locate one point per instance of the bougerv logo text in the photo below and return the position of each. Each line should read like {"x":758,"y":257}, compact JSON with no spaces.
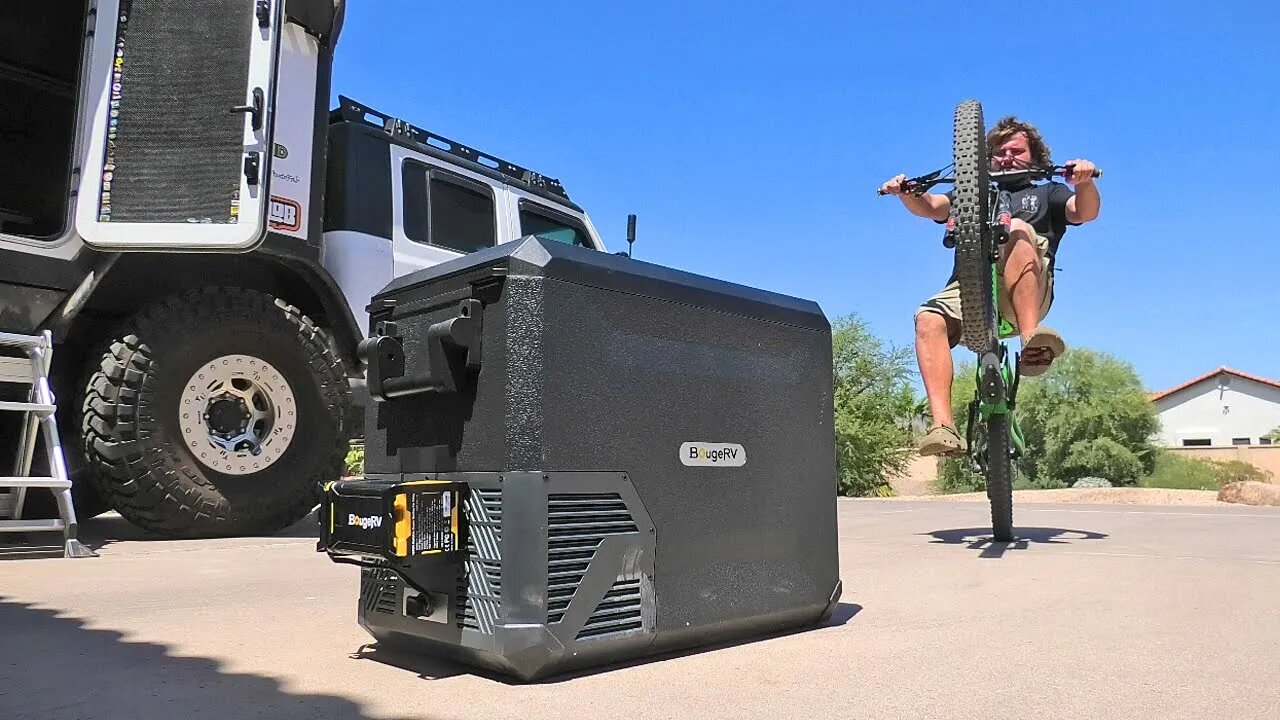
{"x":703,"y":454}
{"x":365,"y":523}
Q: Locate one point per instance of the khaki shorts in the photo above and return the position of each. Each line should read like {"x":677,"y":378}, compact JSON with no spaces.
{"x":947,"y":301}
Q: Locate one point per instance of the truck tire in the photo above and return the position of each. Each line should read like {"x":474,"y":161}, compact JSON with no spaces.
{"x":218,"y":412}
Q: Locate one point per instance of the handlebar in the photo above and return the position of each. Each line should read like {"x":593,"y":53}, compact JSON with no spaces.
{"x":918,"y":185}
{"x":1038,"y":173}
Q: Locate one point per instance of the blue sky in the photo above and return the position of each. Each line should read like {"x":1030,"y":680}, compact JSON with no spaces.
{"x":749,"y":139}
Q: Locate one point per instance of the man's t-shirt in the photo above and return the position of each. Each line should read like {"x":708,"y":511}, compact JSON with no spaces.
{"x":1043,"y":207}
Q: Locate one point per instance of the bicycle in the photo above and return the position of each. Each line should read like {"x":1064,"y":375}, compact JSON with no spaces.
{"x":978,"y":226}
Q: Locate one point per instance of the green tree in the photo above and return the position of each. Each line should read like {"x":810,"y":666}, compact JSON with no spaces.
{"x":1087,"y":417}
{"x":874,"y":407}
{"x":1102,"y":457}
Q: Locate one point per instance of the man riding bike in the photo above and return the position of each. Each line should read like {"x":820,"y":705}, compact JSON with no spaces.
{"x":1041,"y":214}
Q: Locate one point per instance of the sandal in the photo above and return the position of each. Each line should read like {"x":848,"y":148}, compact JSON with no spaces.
{"x":1041,"y":349}
{"x":942,"y":440}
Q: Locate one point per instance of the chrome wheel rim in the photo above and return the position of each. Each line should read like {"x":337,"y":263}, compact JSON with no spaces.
{"x":237,"y":414}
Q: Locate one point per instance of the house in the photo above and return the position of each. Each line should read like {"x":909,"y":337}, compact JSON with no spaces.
{"x":1224,"y":407}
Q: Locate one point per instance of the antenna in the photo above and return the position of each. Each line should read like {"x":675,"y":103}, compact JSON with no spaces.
{"x":631,"y":232}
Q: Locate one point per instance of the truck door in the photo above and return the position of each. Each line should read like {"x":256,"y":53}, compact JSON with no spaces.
{"x":179,"y":123}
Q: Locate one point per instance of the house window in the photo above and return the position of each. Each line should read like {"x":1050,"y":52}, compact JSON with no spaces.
{"x":1264,"y":441}
{"x":1196,"y":442}
{"x":1239,"y":441}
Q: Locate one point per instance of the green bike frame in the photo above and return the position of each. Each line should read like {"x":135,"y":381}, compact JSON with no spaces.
{"x":1008,"y":376}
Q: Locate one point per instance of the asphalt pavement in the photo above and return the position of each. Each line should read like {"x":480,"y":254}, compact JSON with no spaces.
{"x":1099,"y":612}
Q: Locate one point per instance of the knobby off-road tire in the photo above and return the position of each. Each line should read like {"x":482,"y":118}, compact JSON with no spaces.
{"x":971,"y":203}
{"x":148,"y":460}
{"x":1000,"y":478}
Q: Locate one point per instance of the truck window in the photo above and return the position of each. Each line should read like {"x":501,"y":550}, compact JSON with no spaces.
{"x":550,"y":225}
{"x":413,"y":183}
{"x":447,"y":211}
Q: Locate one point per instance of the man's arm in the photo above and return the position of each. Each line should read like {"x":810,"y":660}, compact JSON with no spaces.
{"x":1086,"y":203}
{"x":934,"y":207}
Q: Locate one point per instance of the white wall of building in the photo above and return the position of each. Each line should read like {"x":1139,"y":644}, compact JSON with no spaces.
{"x":1220,"y":409}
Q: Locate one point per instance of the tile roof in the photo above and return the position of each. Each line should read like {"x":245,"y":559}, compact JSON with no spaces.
{"x":1154,"y":396}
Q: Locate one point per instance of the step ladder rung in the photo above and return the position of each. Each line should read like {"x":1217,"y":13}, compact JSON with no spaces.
{"x":37,"y":408}
{"x":31,"y":525}
{"x":34,"y":482}
{"x":16,"y":370}
{"x":34,"y":371}
{"x":22,"y":341}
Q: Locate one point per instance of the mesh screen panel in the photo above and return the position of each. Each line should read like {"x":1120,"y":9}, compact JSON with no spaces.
{"x":174,"y":151}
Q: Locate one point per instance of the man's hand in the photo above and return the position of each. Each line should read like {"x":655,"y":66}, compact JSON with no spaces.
{"x":894,"y":186}
{"x":1086,"y":203}
{"x":1081,"y":172}
{"x":928,"y":205}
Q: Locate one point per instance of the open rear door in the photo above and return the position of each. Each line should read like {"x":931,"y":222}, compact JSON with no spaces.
{"x":179,"y":121}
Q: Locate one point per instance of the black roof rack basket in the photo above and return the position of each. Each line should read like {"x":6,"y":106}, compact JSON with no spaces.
{"x":351,"y":111}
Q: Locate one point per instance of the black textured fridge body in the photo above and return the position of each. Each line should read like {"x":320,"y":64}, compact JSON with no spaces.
{"x":648,"y":454}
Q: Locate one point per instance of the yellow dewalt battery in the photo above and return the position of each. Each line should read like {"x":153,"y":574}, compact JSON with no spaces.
{"x":389,"y":522}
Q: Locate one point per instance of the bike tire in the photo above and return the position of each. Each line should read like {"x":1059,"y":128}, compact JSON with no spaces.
{"x":971,"y":210}
{"x":1000,"y":478}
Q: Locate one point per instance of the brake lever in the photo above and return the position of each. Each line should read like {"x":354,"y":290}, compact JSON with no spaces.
{"x":917,"y":185}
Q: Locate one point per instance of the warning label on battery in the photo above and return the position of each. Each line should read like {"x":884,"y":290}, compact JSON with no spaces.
{"x":434,"y":529}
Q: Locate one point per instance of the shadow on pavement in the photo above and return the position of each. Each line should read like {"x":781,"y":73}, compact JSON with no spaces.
{"x":106,"y":529}
{"x":1024,"y":538}
{"x":27,"y":546}
{"x":94,"y":533}
{"x":110,"y":527}
{"x":433,"y":668}
{"x":51,"y":666}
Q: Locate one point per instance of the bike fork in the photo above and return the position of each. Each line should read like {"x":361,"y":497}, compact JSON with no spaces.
{"x":1002,"y":218}
{"x":992,"y":382}
{"x":997,"y":394}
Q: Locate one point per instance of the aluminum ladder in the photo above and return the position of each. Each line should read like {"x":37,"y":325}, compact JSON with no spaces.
{"x":39,"y":410}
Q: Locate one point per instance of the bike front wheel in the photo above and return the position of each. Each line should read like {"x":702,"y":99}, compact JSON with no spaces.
{"x":971,"y":212}
{"x":999,"y":472}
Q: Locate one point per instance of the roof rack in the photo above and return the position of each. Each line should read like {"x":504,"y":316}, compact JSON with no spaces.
{"x":352,"y":111}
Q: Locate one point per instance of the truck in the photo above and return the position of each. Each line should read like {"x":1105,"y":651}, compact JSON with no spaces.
{"x":200,"y":232}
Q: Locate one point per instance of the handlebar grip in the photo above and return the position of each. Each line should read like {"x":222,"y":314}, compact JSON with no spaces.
{"x":908,"y":188}
{"x":1067,"y":169}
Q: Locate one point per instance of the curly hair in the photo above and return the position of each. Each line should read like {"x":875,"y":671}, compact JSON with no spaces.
{"x":1008,"y":126}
